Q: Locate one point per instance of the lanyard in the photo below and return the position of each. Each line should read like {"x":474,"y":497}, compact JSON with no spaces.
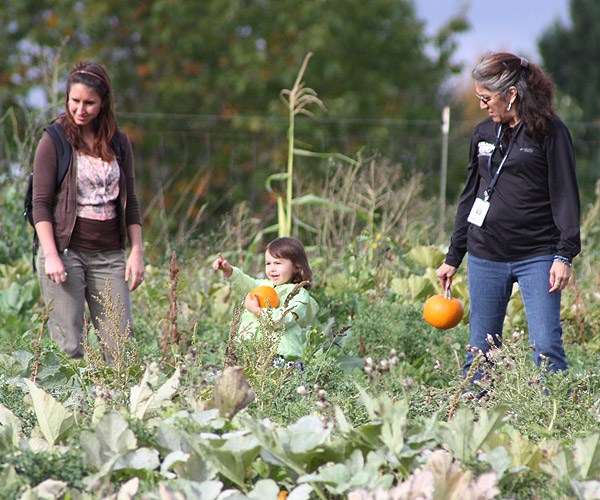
{"x":499,"y":137}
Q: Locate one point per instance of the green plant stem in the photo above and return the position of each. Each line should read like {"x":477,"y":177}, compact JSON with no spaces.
{"x":463,"y":386}
{"x":554,"y":413}
{"x":286,"y":230}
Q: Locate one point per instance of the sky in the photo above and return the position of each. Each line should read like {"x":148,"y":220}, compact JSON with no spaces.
{"x":511,"y":25}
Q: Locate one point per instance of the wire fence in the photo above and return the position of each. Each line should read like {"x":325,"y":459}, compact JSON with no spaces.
{"x":191,"y":169}
{"x":218,"y":160}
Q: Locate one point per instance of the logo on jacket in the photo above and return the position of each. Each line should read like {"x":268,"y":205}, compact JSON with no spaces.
{"x":485,"y":148}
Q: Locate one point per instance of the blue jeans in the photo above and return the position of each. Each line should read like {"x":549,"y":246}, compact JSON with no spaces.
{"x":490,"y":288}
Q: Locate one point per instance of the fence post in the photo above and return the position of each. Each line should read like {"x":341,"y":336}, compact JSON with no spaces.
{"x":444,"y":165}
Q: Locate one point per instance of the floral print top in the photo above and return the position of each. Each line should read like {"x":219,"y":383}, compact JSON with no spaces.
{"x":97,"y":187}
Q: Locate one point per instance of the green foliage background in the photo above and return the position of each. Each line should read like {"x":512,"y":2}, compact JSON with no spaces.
{"x":380,"y":400}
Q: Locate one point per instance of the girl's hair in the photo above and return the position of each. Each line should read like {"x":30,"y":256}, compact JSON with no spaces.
{"x":499,"y":71}
{"x":292,"y":249}
{"x":92,"y":75}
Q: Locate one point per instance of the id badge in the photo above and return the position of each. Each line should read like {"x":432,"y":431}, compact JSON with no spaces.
{"x":478,"y":212}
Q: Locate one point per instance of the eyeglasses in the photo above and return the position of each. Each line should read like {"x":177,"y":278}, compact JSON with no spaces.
{"x":485,"y":99}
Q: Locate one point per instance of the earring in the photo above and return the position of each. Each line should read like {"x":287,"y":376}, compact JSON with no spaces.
{"x":509,"y":106}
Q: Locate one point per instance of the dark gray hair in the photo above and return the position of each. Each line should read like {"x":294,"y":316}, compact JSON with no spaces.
{"x":500,"y":71}
{"x":498,"y":76}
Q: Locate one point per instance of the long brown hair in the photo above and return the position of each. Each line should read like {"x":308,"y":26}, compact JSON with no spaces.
{"x":291,"y":248}
{"x":92,"y":75}
{"x":535,"y":91}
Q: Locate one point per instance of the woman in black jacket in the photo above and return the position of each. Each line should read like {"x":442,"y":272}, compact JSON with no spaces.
{"x":518,"y":216}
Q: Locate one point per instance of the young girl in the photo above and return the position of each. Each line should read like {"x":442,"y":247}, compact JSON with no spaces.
{"x":286,"y":265}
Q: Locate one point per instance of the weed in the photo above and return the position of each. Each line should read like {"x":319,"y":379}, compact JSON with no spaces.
{"x":112,"y":363}
{"x":543,"y":403}
{"x":462,"y":389}
{"x":65,"y":464}
{"x":37,"y":342}
{"x":173,"y":341}
{"x":256,"y":352}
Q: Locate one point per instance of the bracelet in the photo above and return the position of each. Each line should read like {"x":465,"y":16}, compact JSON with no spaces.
{"x":562,"y":260}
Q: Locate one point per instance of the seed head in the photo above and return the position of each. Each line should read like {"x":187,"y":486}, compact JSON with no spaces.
{"x":384,"y":365}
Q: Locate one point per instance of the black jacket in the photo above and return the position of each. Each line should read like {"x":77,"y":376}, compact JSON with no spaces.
{"x":534,"y":207}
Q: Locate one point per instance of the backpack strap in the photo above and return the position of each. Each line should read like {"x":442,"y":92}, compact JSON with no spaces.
{"x":63,"y":151}
{"x":116,"y":147}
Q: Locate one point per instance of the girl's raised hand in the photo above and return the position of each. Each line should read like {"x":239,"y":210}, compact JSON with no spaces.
{"x":220,"y":264}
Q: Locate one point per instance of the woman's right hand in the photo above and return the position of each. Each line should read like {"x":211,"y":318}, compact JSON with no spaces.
{"x":55,"y":269}
{"x":444,"y":274}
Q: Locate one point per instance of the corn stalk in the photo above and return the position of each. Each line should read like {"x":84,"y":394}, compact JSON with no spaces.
{"x":297,"y":100}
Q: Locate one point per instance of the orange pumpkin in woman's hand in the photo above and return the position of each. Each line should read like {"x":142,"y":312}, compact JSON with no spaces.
{"x":266,"y":295}
{"x":443,"y":311}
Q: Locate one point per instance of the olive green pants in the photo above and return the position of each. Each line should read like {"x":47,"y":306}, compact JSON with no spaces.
{"x":90,"y":277}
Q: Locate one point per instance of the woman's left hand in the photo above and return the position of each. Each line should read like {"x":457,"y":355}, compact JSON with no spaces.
{"x":134,"y":271}
{"x":560,"y":274}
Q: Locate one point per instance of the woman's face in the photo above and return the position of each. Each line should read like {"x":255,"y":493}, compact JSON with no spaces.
{"x":84,"y":104}
{"x":495,"y":105}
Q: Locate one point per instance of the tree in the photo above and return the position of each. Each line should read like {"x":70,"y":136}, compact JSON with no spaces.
{"x":570,"y":55}
{"x":228,"y":61}
{"x":569,"y":52}
{"x":214,"y":57}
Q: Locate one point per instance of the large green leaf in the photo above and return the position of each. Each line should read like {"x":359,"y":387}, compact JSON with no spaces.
{"x":10,"y":429}
{"x":129,"y":490}
{"x":465,"y":436}
{"x":353,"y":473}
{"x":111,"y":440}
{"x":560,"y":463}
{"x":140,"y":459}
{"x":50,"y":488}
{"x":11,"y":367}
{"x":451,"y":482}
{"x":145,"y":397}
{"x":300,"y":492}
{"x":413,"y":288}
{"x":295,"y":447}
{"x":232,"y":392}
{"x":204,"y":490}
{"x":230,"y":453}
{"x":54,"y":419}
{"x":13,"y":299}
{"x":264,"y":489}
{"x":426,"y":256}
{"x":9,"y":476}
{"x":522,"y":453}
{"x":587,"y":456}
{"x":182,"y":453}
{"x":305,"y":435}
{"x":586,"y":490}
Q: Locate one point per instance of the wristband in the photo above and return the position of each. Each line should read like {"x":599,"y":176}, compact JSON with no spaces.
{"x":562,"y":260}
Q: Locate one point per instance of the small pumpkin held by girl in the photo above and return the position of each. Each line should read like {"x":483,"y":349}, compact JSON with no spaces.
{"x":286,"y":266}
